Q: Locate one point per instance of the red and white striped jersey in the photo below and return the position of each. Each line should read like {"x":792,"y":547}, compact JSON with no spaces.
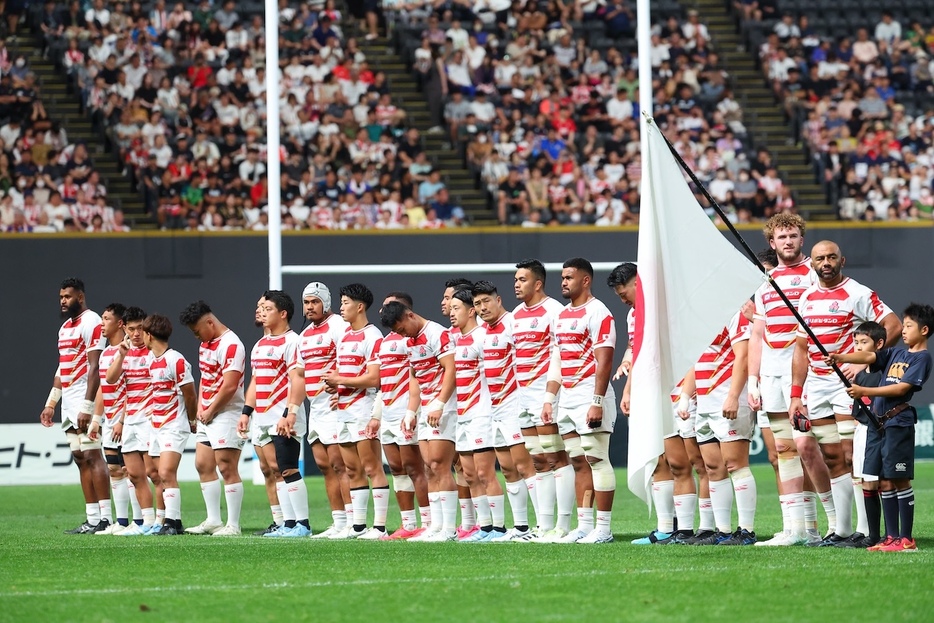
{"x":780,"y":324}
{"x":113,"y":394}
{"x":76,"y":338}
{"x":272,"y":358}
{"x":356,"y":351}
{"x":426,"y":350}
{"x":224,"y":354}
{"x":580,"y":331}
{"x":138,"y":390}
{"x":499,"y":360}
{"x":394,"y":376}
{"x":533,"y":331}
{"x":317,"y":354}
{"x":714,"y":369}
{"x":473,"y":395}
{"x":833,"y":314}
{"x":168,"y":374}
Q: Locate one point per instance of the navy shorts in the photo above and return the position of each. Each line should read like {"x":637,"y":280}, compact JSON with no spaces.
{"x":891,"y":456}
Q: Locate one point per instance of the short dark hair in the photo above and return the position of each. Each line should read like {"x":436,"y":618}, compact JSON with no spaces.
{"x":579,"y":263}
{"x":392,"y":312}
{"x":158,"y":326}
{"x":117,"y":309}
{"x":133,"y":314}
{"x":282,"y":301}
{"x":767,"y":256}
{"x":72,"y":282}
{"x":464,"y":295}
{"x":359,"y":293}
{"x":535,"y":267}
{"x":193,"y":313}
{"x":873,"y":330}
{"x":405,"y":297}
{"x":922,"y":314}
{"x":457,"y":282}
{"x":621,"y":275}
{"x":483,"y":287}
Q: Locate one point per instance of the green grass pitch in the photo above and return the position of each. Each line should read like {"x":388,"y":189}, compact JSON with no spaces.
{"x":46,"y":576}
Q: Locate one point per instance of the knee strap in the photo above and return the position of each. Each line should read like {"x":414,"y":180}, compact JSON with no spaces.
{"x":781,"y":429}
{"x":551,"y":443}
{"x":403,"y":483}
{"x":826,"y":434}
{"x":287,"y":452}
{"x":573,"y":446}
{"x":846,"y":428}
{"x":113,"y":459}
{"x":789,"y":468}
{"x":597,"y":447}
{"x":293,"y":477}
{"x":533,"y":444}
{"x":74,"y":442}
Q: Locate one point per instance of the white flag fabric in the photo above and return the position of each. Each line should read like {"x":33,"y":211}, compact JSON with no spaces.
{"x":691,"y":282}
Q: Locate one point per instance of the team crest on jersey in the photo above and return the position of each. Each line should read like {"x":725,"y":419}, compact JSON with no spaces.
{"x":354,"y":349}
{"x":392,"y":347}
{"x":573,"y":325}
{"x":464,"y":355}
{"x":270,"y":352}
{"x":834,"y":307}
{"x":534,"y":323}
{"x":495,"y":341}
{"x":796,"y":281}
{"x":422,"y":351}
{"x":320,"y":340}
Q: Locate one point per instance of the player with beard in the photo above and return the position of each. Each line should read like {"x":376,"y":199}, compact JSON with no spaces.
{"x":76,"y":381}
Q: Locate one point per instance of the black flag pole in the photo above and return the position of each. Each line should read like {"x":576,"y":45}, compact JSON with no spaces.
{"x":755,"y":260}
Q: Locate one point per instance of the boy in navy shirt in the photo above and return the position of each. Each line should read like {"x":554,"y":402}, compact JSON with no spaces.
{"x":905,"y":371}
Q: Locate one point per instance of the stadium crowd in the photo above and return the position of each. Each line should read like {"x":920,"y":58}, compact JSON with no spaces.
{"x":542,"y":100}
{"x":180,"y":91}
{"x":860,"y":98}
{"x":48,"y":184}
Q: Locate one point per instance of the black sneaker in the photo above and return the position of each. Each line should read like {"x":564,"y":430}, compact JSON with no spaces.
{"x":830,"y":540}
{"x":678,"y":537}
{"x":168,"y":529}
{"x":85,"y":528}
{"x":740,"y":537}
{"x":272,"y":528}
{"x":103,"y":525}
{"x":699,"y":536}
{"x":715,"y":538}
{"x":853,"y":541}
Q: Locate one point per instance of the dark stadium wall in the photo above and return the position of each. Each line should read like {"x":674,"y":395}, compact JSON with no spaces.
{"x":163,"y":273}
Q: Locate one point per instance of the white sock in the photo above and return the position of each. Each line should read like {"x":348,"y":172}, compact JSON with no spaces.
{"x":434,"y":505}
{"x":160,"y":514}
{"x":584,"y":519}
{"x":603,"y":521}
{"x":841,"y":488}
{"x":826,"y":498}
{"x":121,"y":496}
{"x":705,"y":509}
{"x":339,"y":518}
{"x":449,"y":511}
{"x":380,"y":506}
{"x":721,"y":498}
{"x":276,"y":510}
{"x":862,"y":522}
{"x":482,"y":507}
{"x":106,"y":515}
{"x":173,"y":503}
{"x":531,"y":487}
{"x":684,"y":510}
{"x":566,"y":495}
{"x":360,"y":499}
{"x":663,"y":493}
{"x":785,"y":502}
{"x":149,"y":516}
{"x":745,"y":490}
{"x":545,"y":511}
{"x":497,"y":510}
{"x":796,"y":514}
{"x":93,"y":512}
{"x":408,"y":519}
{"x":348,"y":511}
{"x":518,"y":502}
{"x":298,"y":496}
{"x":809,"y":501}
{"x":468,"y":516}
{"x":282,"y":490}
{"x":211,"y":491}
{"x":424,"y":513}
{"x":233,"y":494}
{"x":134,"y":501}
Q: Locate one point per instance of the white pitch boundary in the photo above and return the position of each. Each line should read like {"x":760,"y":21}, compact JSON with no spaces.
{"x":420,"y":269}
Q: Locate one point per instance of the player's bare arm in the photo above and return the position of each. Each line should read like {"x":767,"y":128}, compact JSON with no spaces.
{"x":893,"y":329}
{"x":94,"y":384}
{"x":190,"y":396}
{"x":799,"y":372}
{"x":552,"y":387}
{"x":447,"y":390}
{"x":688,"y":389}
{"x":55,"y":394}
{"x":754,"y":362}
{"x":604,"y":357}
{"x":286,"y":425}
{"x":737,"y":379}
{"x":415,"y":400}
{"x":227,"y":390}
{"x":364,"y":381}
{"x":116,"y":366}
{"x":249,"y":403}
